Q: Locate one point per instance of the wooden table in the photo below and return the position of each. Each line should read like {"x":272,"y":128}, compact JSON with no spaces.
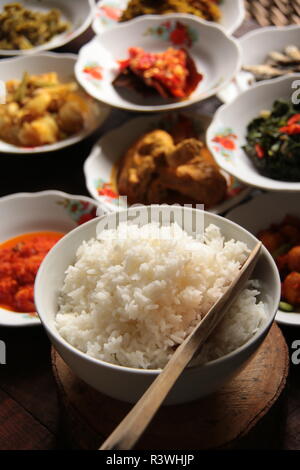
{"x":29,"y":409}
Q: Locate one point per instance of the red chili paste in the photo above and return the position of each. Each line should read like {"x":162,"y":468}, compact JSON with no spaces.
{"x":20,"y":259}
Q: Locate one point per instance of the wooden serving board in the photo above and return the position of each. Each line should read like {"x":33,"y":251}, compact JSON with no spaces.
{"x":219,"y":420}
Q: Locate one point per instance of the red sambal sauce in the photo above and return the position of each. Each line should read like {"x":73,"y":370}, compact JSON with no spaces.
{"x":20,"y":259}
{"x":173,"y":69}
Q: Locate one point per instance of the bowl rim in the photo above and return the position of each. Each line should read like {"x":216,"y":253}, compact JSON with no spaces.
{"x":241,"y":12}
{"x":265,"y":30}
{"x":174,"y":105}
{"x":46,"y":192}
{"x":287,"y":185}
{"x":63,"y":41}
{"x":69,"y":141}
{"x":53,"y":332}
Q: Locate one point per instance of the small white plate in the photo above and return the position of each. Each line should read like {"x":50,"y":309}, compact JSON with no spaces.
{"x":216,"y":55}
{"x":108,"y":12}
{"x":36,"y":212}
{"x":63,"y":64}
{"x":255,"y":47}
{"x":227,"y":133}
{"x":258,"y":214}
{"x":106,"y":154}
{"x":77,"y":12}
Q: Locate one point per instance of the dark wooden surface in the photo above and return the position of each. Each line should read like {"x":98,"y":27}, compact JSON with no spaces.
{"x":30,"y":416}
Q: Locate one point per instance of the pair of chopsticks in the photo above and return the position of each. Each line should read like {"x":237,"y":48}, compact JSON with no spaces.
{"x":127,"y":433}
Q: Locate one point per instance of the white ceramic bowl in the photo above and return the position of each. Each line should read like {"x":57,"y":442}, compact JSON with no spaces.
{"x":36,"y":212}
{"x":102,"y":162}
{"x":259,"y":214}
{"x":227,"y":133}
{"x":63,"y":65}
{"x":255,"y":47}
{"x":77,"y":12}
{"x":128,"y":384}
{"x":108,"y":12}
{"x":216,"y":55}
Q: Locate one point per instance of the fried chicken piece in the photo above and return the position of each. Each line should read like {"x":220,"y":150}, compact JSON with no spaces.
{"x":198,"y":180}
{"x":183,"y":152}
{"x":157,"y":193}
{"x":156,"y":171}
{"x":140,"y":164}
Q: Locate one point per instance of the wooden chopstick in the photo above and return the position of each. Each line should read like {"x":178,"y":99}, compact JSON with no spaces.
{"x":127,"y":433}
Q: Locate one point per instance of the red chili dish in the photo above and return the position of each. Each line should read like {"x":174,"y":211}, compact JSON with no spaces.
{"x":171,"y":73}
{"x":20,"y":259}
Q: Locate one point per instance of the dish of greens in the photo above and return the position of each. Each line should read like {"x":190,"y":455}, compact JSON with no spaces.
{"x":273,"y":141}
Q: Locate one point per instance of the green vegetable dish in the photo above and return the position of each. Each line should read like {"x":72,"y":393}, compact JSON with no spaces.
{"x":273,"y":142}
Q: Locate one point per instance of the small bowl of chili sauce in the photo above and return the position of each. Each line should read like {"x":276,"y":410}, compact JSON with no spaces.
{"x":34,"y":223}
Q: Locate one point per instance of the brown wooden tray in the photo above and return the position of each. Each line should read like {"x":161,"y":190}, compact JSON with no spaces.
{"x":215,"y":421}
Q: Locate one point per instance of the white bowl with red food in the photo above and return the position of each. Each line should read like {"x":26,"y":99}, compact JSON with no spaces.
{"x":34,"y":222}
{"x":275,"y":219}
{"x":158,"y":62}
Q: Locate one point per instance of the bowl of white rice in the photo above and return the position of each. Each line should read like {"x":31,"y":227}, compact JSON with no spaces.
{"x":120,"y":293}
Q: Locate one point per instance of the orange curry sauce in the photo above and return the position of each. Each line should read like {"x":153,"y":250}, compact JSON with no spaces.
{"x":20,"y":259}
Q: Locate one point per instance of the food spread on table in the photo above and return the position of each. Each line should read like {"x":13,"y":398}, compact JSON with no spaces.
{"x":20,"y":259}
{"x":283,"y":242}
{"x":23,"y":28}
{"x":277,"y":64}
{"x":41,"y":110}
{"x":273,"y":141}
{"x":164,"y":165}
{"x":171,"y":74}
{"x":206,"y":9}
{"x":129,"y":299}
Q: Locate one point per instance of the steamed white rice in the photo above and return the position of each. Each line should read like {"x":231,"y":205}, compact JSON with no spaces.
{"x":132,"y":300}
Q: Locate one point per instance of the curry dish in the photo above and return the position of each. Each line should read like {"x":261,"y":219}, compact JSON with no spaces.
{"x":21,"y":28}
{"x":41,"y":110}
{"x":206,"y":9}
{"x":159,"y":169}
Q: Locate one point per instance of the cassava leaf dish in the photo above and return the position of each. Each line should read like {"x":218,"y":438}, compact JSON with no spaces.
{"x":273,"y":141}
